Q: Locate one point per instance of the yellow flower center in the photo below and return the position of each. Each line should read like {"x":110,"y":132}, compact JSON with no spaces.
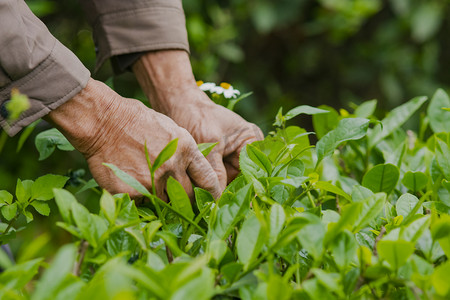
{"x":225,"y":85}
{"x":199,"y":83}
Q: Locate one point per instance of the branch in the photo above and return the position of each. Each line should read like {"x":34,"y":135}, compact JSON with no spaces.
{"x":382,"y":232}
{"x":84,"y":245}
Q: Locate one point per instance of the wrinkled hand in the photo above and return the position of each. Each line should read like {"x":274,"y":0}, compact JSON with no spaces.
{"x":210,"y":123}
{"x":107,"y":128}
{"x":167,"y":79}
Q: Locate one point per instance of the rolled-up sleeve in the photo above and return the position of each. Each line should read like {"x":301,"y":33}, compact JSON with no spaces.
{"x":35,"y":63}
{"x":131,"y":26}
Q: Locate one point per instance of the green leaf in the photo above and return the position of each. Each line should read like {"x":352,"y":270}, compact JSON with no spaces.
{"x":366,"y":109}
{"x":206,"y":148}
{"x":323,"y":123}
{"x":42,"y":188}
{"x":85,"y":223}
{"x":178,"y":198}
{"x":278,"y":288}
{"x":224,"y":217}
{"x":396,"y":253}
{"x":415,"y":181}
{"x":370,"y":209}
{"x":396,"y":118}
{"x":259,"y":158}
{"x":343,"y":249}
{"x":440,"y":281}
{"x":128,"y":179}
{"x":89,"y":185}
{"x":304,"y":109}
{"x":381,"y":178}
{"x":249,"y":241}
{"x":216,"y":251}
{"x":405,"y":205}
{"x":439,"y":118}
{"x":199,"y":287}
{"x":17,"y":276}
{"x":55,"y":276}
{"x":347,"y":129}
{"x":5,"y":197}
{"x":277,"y":220}
{"x":64,"y":200}
{"x":440,"y":231}
{"x":171,"y":241}
{"x":47,"y":141}
{"x":23,"y":190}
{"x":443,"y":157}
{"x":25,"y":134}
{"x":108,"y":206}
{"x":413,"y":231}
{"x":327,"y":186}
{"x":18,"y":104}
{"x":41,"y":207}
{"x":9,"y":211}
{"x":202,"y":197}
{"x":360,"y":193}
{"x":165,"y":154}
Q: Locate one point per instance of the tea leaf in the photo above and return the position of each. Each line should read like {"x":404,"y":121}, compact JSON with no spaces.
{"x":304,"y":109}
{"x":47,"y":141}
{"x":347,"y":129}
{"x":259,"y":158}
{"x":165,"y":154}
{"x":381,"y":178}
{"x":41,"y":207}
{"x":249,"y":241}
{"x":396,"y":118}
{"x":415,"y":181}
{"x":9,"y":211}
{"x":366,"y":109}
{"x":42,"y":188}
{"x":396,"y":253}
{"x":439,"y":118}
{"x":206,"y":148}
{"x":178,"y":198}
{"x":128,"y":179}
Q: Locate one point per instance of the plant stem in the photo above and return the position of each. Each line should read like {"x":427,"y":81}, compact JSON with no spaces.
{"x":84,"y":245}
{"x":10,"y":224}
{"x":3,"y":138}
{"x":155,"y":203}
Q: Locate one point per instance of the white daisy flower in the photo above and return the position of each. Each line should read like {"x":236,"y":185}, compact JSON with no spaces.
{"x":224,"y":89}
{"x":206,"y":86}
{"x":229,"y":91}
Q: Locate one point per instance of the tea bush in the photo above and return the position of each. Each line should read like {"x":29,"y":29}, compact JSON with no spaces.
{"x":363,"y":214}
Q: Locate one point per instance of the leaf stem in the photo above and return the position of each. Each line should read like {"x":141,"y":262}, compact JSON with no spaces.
{"x":3,"y":138}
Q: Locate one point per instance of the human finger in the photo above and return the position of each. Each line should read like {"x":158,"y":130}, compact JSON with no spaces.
{"x":202,"y":175}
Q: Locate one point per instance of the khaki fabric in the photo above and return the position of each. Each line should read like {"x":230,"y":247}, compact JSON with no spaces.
{"x":33,"y":61}
{"x":129,"y":26}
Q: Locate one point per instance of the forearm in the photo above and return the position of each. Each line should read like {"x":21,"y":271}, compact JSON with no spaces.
{"x":164,"y":75}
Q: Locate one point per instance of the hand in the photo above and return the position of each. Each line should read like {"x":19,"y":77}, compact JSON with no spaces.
{"x":167,"y":79}
{"x":107,"y":128}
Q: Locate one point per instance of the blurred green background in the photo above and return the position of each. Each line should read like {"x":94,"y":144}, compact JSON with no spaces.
{"x":288,"y":52}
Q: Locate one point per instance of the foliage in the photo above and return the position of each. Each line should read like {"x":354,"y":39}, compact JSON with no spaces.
{"x":364,"y":214}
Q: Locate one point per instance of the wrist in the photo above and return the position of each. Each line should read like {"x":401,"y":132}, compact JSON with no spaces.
{"x":165,"y":76}
{"x":83,"y":117}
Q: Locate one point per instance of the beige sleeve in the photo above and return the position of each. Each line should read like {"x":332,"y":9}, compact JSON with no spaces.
{"x":35,"y":63}
{"x":129,"y":26}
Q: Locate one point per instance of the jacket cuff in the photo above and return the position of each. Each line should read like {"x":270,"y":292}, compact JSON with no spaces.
{"x":54,"y":81}
{"x":140,"y":29}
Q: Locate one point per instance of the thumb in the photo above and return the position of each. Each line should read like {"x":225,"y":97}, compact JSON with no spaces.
{"x":216,"y":161}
